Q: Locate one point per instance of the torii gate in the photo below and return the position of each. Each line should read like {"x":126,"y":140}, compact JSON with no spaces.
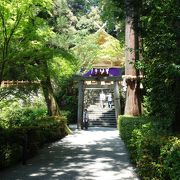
{"x":107,"y":67}
{"x":113,"y":75}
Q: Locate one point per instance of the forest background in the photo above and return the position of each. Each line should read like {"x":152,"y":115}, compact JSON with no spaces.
{"x":39,"y":41}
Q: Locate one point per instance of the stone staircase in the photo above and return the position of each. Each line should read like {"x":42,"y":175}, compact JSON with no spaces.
{"x":101,"y":117}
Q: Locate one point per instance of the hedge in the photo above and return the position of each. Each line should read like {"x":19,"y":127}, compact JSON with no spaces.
{"x":20,"y":143}
{"x":152,"y":147}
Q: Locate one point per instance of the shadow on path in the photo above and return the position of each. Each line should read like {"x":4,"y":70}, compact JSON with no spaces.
{"x":96,"y":154}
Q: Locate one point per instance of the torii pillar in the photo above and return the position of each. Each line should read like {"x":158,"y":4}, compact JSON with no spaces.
{"x":80,"y":103}
{"x":117,"y":99}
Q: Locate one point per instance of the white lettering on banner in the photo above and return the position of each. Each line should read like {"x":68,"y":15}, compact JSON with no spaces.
{"x":101,"y":71}
{"x":107,"y":71}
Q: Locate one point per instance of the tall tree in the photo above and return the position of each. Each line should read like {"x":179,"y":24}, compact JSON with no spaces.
{"x":25,"y":34}
{"x":132,"y":106}
{"x":117,"y":11}
{"x":14,"y":18}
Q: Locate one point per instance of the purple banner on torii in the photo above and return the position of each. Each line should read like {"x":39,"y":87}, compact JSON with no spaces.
{"x":104,"y":72}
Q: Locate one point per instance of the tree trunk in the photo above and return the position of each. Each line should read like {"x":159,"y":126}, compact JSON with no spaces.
{"x":80,"y":104}
{"x":117,"y":99}
{"x":132,"y":105}
{"x":52,"y":106}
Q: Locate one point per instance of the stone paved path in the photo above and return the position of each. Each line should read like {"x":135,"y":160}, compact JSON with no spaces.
{"x":96,"y":154}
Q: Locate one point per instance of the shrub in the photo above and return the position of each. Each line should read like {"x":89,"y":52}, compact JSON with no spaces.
{"x":25,"y":127}
{"x":170,"y":156}
{"x":15,"y":116}
{"x":155,"y":153}
{"x":127,"y":124}
{"x":67,"y":115}
{"x":34,"y":135}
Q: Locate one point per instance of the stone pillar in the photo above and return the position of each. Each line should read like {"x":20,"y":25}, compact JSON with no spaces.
{"x":80,"y":103}
{"x":117,"y":99}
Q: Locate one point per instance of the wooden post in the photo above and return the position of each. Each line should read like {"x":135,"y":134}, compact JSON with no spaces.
{"x":117,"y":99}
{"x":80,"y":103}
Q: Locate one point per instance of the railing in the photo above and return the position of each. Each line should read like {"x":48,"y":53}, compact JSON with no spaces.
{"x":17,"y":83}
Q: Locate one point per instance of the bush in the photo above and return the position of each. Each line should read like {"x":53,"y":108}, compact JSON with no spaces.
{"x":67,"y":114}
{"x":155,"y":153}
{"x":126,"y":121}
{"x":34,"y":135}
{"x":170,"y":154}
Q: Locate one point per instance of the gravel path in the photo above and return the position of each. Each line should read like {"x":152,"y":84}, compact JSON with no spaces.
{"x":96,"y":154}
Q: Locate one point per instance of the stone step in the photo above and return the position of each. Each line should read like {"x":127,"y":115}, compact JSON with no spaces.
{"x":92,"y":123}
{"x":98,"y":112}
{"x":101,"y":112}
{"x":101,"y":117}
{"x":100,"y":122}
{"x":106,"y":112}
{"x":108,"y":122}
{"x":99,"y":108}
{"x":103,"y":124}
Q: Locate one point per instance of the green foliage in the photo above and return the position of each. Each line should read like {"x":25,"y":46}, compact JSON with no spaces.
{"x":22,"y":33}
{"x":72,"y":22}
{"x":68,"y":103}
{"x":41,"y":131}
{"x":90,"y":22}
{"x":160,"y":58}
{"x":81,"y":7}
{"x":21,"y":92}
{"x":15,"y":112}
{"x":25,"y":116}
{"x":152,"y":147}
{"x":170,"y":154}
{"x":35,"y":41}
{"x":113,"y":13}
{"x":62,"y":68}
{"x":87,"y":51}
{"x":9,"y":154}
